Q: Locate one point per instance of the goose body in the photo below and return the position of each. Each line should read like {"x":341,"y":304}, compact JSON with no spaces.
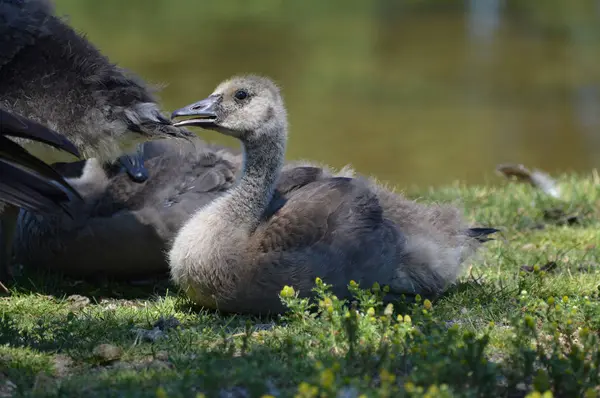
{"x":237,"y":253}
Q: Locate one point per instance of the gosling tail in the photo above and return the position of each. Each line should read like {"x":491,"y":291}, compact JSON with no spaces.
{"x":481,"y":234}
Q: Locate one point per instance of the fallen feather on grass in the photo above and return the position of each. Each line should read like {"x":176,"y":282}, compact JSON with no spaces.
{"x":536,"y":178}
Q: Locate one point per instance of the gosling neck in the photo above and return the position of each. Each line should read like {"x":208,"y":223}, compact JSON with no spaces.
{"x":263,"y":160}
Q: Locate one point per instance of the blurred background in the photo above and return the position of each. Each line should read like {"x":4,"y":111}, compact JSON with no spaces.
{"x":417,"y":92}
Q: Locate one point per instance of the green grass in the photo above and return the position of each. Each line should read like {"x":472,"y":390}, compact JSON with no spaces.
{"x":500,"y":332}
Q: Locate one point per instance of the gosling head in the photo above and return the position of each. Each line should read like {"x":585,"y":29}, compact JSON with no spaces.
{"x":245,"y":107}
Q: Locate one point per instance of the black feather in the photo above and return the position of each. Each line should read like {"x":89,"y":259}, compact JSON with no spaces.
{"x":24,"y":189}
{"x":18,"y":126}
{"x":13,"y":154}
{"x":26,"y":181}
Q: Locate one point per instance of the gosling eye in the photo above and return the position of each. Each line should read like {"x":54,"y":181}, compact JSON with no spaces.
{"x":241,"y":94}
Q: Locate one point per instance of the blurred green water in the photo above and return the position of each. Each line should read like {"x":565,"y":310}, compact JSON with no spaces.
{"x":419,"y":92}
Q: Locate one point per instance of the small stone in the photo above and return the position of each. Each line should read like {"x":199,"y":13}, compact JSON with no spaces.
{"x":62,"y":365}
{"x":107,"y":352}
{"x":77,"y":302}
{"x":162,"y":356}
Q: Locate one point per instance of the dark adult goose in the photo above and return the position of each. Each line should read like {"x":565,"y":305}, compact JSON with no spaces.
{"x":237,"y":253}
{"x":54,"y":76}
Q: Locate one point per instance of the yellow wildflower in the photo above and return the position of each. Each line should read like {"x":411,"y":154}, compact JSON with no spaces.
{"x":327,"y":378}
{"x":287,"y":292}
{"x":389,"y":310}
{"x":427,"y":304}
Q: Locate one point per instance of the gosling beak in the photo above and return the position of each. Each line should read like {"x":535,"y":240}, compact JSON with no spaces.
{"x":203,"y":112}
{"x":134,"y":166}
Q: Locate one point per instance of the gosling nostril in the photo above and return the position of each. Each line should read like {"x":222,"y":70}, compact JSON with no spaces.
{"x":139,"y":176}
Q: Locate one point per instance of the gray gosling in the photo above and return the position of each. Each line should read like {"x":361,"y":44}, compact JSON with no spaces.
{"x":236,"y":253}
{"x":123,"y":229}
